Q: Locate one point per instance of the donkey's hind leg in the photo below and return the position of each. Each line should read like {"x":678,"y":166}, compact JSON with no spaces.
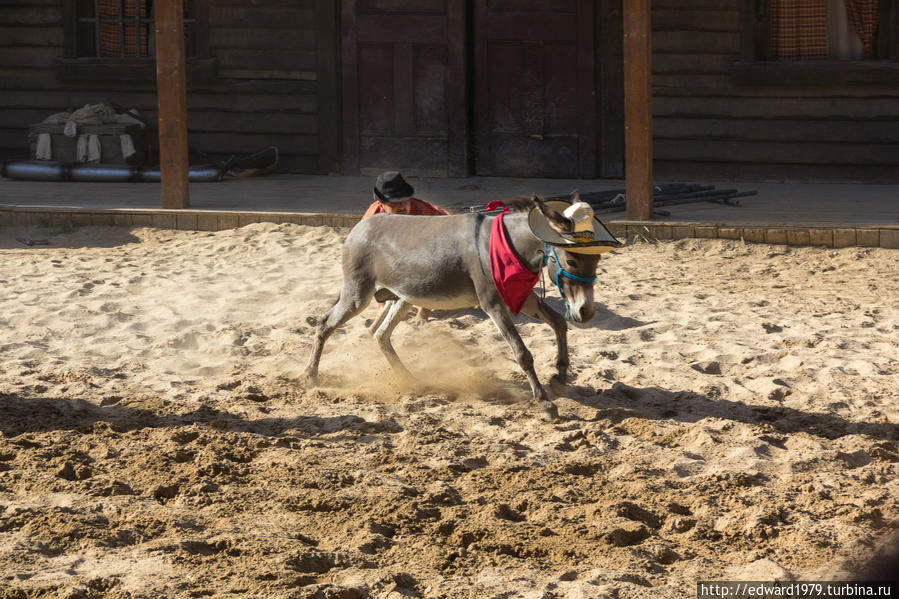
{"x":396,"y":311}
{"x":536,"y":308}
{"x":353,"y":299}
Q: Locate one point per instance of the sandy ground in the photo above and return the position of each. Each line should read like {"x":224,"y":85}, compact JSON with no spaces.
{"x":733,"y":414}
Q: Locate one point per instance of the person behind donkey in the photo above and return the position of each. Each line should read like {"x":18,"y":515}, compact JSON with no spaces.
{"x":392,"y":195}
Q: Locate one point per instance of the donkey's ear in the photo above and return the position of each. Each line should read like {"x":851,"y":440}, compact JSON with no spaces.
{"x":575,"y":196}
{"x":557,"y":220}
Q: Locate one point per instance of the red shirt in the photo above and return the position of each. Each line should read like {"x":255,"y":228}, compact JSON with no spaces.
{"x":416,"y":206}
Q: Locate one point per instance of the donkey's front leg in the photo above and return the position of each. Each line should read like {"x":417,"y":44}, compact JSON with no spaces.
{"x":536,"y":308}
{"x":501,"y":317}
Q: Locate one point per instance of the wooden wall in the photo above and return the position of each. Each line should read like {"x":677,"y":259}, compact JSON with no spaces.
{"x":706,"y":124}
{"x":275,"y":83}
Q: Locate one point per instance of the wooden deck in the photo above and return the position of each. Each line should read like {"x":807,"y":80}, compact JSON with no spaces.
{"x":836,"y":215}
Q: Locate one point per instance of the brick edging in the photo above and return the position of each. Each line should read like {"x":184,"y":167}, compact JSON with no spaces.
{"x":837,"y":236}
{"x":188,"y":220}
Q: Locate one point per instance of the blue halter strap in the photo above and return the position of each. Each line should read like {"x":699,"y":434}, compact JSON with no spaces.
{"x":561,"y":270}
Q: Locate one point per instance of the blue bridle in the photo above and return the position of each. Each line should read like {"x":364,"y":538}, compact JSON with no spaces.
{"x":561,"y":270}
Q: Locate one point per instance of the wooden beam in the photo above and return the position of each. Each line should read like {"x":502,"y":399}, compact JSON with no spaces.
{"x":171,"y":89}
{"x":638,"y":108}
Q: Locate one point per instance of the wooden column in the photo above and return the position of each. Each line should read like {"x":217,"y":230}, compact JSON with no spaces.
{"x":171,"y":89}
{"x":638,"y":108}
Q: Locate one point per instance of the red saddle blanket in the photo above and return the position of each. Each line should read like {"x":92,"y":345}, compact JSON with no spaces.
{"x":513,"y":279}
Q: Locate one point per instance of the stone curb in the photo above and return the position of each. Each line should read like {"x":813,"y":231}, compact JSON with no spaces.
{"x":837,"y":236}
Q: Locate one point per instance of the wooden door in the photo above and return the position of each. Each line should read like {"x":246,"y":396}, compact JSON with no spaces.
{"x":535,"y":104}
{"x":404,"y":91}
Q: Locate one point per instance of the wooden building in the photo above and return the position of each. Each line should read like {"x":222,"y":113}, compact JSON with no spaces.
{"x":471,"y":87}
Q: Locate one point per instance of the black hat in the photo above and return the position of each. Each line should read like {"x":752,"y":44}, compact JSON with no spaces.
{"x":391,"y":187}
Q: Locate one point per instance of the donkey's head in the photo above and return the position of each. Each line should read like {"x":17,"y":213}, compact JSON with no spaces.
{"x":573,"y":271}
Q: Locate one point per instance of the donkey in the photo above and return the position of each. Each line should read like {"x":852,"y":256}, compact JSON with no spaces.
{"x":442,"y":263}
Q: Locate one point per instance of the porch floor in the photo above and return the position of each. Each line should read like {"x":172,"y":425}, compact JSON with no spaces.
{"x":783,"y":209}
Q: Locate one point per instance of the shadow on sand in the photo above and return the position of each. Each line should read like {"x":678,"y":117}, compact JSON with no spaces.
{"x":41,"y":239}
{"x":604,"y":319}
{"x":622,"y":401}
{"x":21,"y":415}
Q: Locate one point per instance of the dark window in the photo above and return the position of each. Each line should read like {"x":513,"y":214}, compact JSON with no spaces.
{"x":823,"y":29}
{"x":790,"y":30}
{"x":123,"y":28}
{"x":116,"y":38}
{"x":808,"y":42}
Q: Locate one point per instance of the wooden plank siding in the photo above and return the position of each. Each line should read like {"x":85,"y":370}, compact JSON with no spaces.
{"x":266,"y":90}
{"x":707,"y":122}
{"x":277,"y":83}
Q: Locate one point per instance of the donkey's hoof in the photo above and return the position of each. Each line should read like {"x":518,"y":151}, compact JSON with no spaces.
{"x":557,"y":384}
{"x":310,"y":379}
{"x":548,"y":411}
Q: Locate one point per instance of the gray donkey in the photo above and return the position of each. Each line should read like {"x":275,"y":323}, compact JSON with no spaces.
{"x":442,"y":263}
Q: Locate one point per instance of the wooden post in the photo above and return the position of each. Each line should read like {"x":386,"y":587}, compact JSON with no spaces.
{"x":638,"y":108}
{"x":171,"y":89}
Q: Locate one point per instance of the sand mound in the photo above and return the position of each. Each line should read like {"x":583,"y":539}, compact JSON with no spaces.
{"x":733,"y":414}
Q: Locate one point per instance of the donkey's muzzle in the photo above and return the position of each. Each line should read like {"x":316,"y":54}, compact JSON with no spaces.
{"x":581,"y":315}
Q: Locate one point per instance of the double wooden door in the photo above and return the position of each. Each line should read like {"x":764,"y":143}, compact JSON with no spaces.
{"x":404,"y":92}
{"x":489,"y":87}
